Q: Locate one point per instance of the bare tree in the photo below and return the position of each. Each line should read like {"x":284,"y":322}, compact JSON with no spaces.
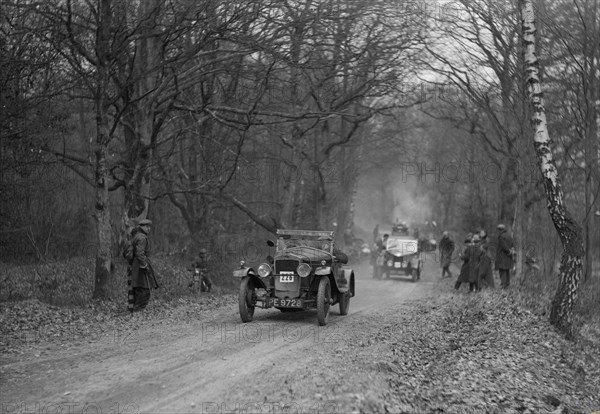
{"x":567,"y":228}
{"x":483,"y":64}
{"x":572,"y":69}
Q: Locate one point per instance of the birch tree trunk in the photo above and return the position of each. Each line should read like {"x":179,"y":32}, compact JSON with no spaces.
{"x":590,"y":83}
{"x":567,"y":228}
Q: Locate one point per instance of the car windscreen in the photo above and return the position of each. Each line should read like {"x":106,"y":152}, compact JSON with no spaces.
{"x":402,"y":246}
{"x":308,"y":248}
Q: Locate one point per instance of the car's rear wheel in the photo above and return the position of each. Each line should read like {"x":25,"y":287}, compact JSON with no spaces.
{"x":323,"y":300}
{"x":344,"y":303}
{"x":247,"y":299}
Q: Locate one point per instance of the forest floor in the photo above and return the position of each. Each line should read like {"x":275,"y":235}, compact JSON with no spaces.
{"x":403,"y":348}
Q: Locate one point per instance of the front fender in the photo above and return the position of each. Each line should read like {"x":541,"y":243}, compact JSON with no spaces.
{"x":346,"y":281}
{"x":248,"y":271}
{"x":323,"y":270}
{"x":243,"y":271}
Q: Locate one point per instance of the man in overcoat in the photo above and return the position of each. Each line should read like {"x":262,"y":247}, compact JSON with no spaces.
{"x":486,"y":275}
{"x":142,"y":274}
{"x":380,"y":246}
{"x":475,"y":254}
{"x":469,"y":271}
{"x":446,"y":248}
{"x":504,"y":255}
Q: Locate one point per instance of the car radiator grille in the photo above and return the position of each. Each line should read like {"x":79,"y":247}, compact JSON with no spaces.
{"x":287,"y":289}
{"x":286,"y":266}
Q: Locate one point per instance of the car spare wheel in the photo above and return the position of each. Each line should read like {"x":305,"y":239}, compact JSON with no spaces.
{"x":344,"y":303}
{"x":323,"y":300}
{"x":247,"y":299}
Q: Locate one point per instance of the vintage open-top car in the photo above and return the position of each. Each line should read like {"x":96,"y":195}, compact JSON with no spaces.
{"x":401,"y":256}
{"x":306,"y":272}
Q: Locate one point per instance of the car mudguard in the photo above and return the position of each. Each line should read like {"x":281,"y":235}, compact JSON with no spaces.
{"x":323,"y":270}
{"x":243,"y":271}
{"x":348,"y":277}
{"x":248,"y":271}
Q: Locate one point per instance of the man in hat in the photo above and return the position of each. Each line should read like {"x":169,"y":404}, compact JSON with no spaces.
{"x":382,"y":243}
{"x":337,"y":253}
{"x":446,"y":247}
{"x":485,"y":265}
{"x":504,"y":255}
{"x":469,"y":271}
{"x":142,"y":274}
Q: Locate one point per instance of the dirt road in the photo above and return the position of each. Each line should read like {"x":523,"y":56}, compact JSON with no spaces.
{"x":215,"y":364}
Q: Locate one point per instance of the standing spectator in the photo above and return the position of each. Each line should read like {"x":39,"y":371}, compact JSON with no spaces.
{"x":382,"y":243}
{"x":446,"y":248}
{"x":142,"y":274}
{"x":469,"y":271}
{"x":475,"y":254}
{"x":376,"y":233}
{"x":376,"y":253}
{"x":463,"y":276}
{"x":504,"y":255}
{"x":486,"y":276}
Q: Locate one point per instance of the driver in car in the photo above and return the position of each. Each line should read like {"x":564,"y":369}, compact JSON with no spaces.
{"x":338,"y":254}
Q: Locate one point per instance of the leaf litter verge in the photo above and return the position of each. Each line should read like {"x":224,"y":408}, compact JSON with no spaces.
{"x":457,"y":352}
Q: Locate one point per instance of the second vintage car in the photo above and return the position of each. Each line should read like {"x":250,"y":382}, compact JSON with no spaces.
{"x":401,"y":256}
{"x":306,"y":272}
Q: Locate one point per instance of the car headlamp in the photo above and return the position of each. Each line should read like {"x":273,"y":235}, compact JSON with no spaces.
{"x":264,"y":270}
{"x":304,"y":270}
{"x":390,"y":263}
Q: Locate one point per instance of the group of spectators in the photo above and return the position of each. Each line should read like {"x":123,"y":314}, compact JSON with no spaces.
{"x":477,"y":254}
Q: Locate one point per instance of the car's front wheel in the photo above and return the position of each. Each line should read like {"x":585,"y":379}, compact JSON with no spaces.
{"x":247,"y":299}
{"x":323,"y":300}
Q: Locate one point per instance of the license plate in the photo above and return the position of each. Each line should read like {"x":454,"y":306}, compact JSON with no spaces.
{"x":286,"y":278}
{"x":288,"y":303}
{"x":397,"y":264}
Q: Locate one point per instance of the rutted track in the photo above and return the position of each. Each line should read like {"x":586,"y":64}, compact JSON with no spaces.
{"x":213,"y":365}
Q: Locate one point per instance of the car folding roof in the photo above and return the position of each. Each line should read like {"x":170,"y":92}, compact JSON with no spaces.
{"x":306,"y":233}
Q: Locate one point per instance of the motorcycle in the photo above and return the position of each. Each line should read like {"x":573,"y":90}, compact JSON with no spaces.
{"x":199,"y":279}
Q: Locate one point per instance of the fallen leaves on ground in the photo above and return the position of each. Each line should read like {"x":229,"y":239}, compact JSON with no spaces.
{"x":31,"y":323}
{"x":479,"y":352}
{"x":448,"y":353}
